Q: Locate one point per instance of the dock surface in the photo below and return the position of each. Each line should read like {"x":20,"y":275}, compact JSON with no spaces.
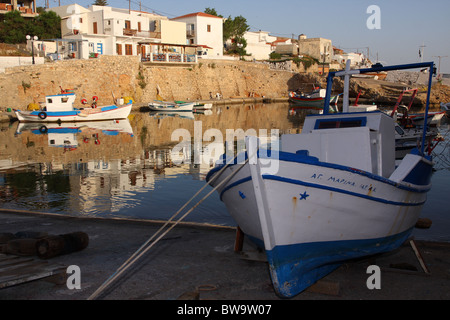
{"x":200,"y":263}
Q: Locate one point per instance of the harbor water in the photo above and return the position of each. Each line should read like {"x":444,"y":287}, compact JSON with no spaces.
{"x":127,"y":169}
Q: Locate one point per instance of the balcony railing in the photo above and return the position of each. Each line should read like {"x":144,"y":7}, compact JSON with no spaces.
{"x":170,"y":58}
{"x":129,"y":32}
{"x":142,"y":34}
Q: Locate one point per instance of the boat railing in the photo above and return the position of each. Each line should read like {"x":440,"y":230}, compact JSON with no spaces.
{"x":347,"y":73}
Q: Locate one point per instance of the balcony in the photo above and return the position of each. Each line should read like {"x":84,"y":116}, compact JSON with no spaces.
{"x":141,"y":34}
{"x":129,"y":32}
{"x":170,"y":58}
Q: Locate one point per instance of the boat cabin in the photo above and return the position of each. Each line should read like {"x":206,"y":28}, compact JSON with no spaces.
{"x":361,"y":140}
{"x":60,"y":102}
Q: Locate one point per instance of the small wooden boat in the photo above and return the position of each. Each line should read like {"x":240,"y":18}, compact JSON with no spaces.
{"x":59,"y":108}
{"x":332,"y":193}
{"x":176,"y":106}
{"x":315,"y":98}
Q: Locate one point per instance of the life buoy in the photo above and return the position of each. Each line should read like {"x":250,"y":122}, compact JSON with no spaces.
{"x":95,"y":98}
{"x":84,"y":101}
{"x":42,"y":115}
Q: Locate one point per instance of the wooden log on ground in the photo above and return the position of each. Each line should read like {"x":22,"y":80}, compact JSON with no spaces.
{"x":53,"y":246}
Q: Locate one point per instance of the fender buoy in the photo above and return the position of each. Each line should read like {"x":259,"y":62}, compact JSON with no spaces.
{"x":42,"y":115}
{"x":43,"y":129}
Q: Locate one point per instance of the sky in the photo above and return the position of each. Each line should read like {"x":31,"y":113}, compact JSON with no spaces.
{"x":405,"y":25}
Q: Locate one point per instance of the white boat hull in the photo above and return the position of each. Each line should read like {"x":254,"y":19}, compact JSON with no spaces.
{"x":171,"y":107}
{"x":312,"y":216}
{"x":89,"y":114}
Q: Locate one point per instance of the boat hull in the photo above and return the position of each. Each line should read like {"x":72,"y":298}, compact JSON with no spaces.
{"x":312,"y":216}
{"x":95,"y":114}
{"x":169,"y":107}
{"x":312,"y":102}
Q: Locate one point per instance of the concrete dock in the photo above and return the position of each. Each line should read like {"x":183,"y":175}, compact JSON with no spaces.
{"x":200,"y":263}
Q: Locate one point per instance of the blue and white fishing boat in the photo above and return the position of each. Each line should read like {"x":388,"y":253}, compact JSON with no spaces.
{"x":60,"y":108}
{"x":327,"y":195}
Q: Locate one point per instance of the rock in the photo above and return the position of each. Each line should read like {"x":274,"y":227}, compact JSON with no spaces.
{"x":423,"y":223}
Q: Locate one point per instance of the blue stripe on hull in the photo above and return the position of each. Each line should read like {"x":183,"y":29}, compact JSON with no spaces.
{"x":295,"y":267}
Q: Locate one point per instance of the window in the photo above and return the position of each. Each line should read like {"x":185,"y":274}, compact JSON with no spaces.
{"x":81,"y":20}
{"x":127,"y":24}
{"x":340,"y":123}
{"x":129,"y":49}
{"x":139,"y":26}
{"x":95,"y":27}
{"x":208,"y":28}
{"x":119,"y":49}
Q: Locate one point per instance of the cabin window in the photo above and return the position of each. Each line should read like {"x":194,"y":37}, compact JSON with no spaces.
{"x":49,"y":100}
{"x":340,"y":123}
{"x":64,"y":100}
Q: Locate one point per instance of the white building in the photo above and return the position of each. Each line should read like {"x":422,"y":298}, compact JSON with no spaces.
{"x":356,"y":59}
{"x":104,"y":30}
{"x":259,"y":44}
{"x":204,"y":30}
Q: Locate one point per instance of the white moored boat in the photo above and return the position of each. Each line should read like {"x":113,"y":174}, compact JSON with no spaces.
{"x":329,"y":194}
{"x":59,"y":108}
{"x":165,"y":106}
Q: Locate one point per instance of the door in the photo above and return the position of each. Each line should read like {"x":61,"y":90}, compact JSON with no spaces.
{"x":100,"y":48}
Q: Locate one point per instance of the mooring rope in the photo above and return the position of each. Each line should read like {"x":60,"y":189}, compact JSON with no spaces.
{"x":145,"y":247}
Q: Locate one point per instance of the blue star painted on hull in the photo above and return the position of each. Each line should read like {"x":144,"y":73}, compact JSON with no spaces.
{"x":303,"y":195}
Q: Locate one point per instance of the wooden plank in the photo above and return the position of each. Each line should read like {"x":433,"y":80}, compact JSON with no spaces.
{"x":16,"y":270}
{"x":239,"y":241}
{"x":419,"y":256}
{"x":327,"y":287}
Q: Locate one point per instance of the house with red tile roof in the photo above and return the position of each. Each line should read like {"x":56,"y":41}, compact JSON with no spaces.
{"x":203,"y":29}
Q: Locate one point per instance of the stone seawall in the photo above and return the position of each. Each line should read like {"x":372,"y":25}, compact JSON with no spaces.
{"x":126,"y":76}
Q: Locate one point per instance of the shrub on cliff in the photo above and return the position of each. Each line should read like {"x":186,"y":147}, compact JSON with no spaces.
{"x":14,"y":28}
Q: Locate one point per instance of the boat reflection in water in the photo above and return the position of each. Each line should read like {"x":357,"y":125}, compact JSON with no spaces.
{"x":99,"y":169}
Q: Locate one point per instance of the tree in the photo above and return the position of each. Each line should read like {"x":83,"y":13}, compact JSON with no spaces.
{"x":213,"y":12}
{"x":234,"y":29}
{"x":100,"y":3}
{"x":13,"y":28}
{"x":47,"y":25}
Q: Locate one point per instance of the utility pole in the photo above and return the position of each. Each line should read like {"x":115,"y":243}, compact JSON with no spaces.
{"x":421,"y":51}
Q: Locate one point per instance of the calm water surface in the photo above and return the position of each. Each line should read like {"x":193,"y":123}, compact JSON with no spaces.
{"x":125,"y":168}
